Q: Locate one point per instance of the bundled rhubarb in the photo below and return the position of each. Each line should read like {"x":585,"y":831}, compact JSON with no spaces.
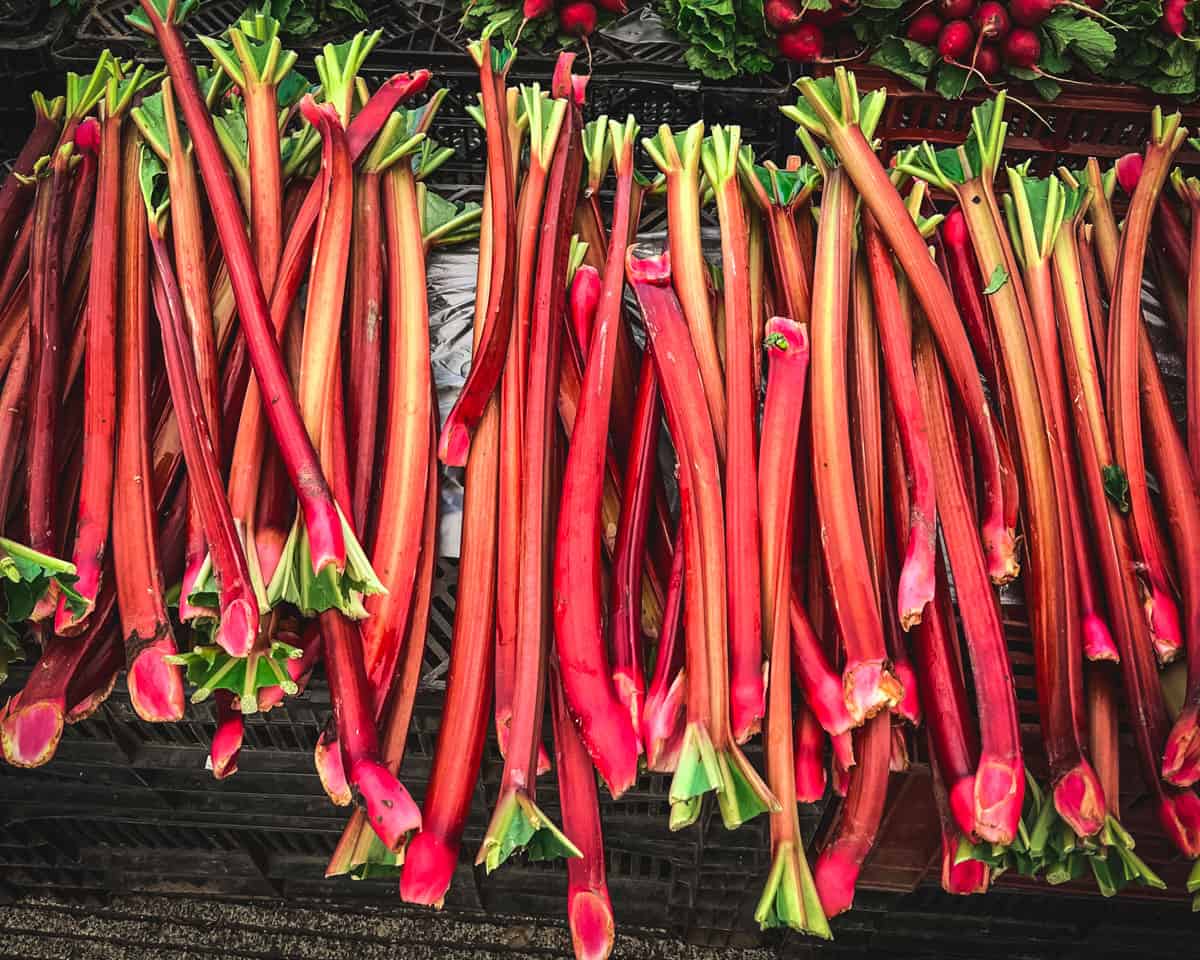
{"x":219,"y":431}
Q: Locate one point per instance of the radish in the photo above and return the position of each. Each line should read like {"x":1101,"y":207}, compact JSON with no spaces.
{"x":924,"y":28}
{"x":987,"y":61}
{"x":1023,"y":49}
{"x":1030,"y":13}
{"x":1174,"y":17}
{"x":802,"y":45}
{"x":950,"y":10}
{"x":532,"y":9}
{"x":992,"y":20}
{"x":783,"y":15}
{"x":578,"y":18}
{"x":1129,"y":171}
{"x":954,"y":42}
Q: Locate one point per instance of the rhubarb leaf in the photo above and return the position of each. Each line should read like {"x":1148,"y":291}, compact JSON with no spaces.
{"x":25,"y":577}
{"x":1116,"y":486}
{"x":997,"y":280}
{"x":518,"y":824}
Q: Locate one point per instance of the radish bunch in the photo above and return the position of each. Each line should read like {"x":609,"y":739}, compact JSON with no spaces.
{"x":800,"y":31}
{"x":576,"y":18}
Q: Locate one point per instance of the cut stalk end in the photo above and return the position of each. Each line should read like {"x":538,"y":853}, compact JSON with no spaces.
{"x":390,"y":809}
{"x":518,"y":824}
{"x":429,"y":864}
{"x":909,"y":707}
{"x":836,"y":875}
{"x":155,"y":687}
{"x":1181,"y":756}
{"x":790,"y":898}
{"x":663,"y":727}
{"x":1179,"y":815}
{"x":454,"y":444}
{"x":1098,"y":643}
{"x":869,"y":687}
{"x":999,"y":794}
{"x":1000,"y":553}
{"x":327,"y":758}
{"x":29,"y":735}
{"x":961,"y":795}
{"x":742,"y":795}
{"x":238,"y":628}
{"x":1163,"y":617}
{"x":592,"y":926}
{"x":1079,"y":800}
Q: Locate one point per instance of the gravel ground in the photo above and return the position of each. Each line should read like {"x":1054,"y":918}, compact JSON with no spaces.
{"x":177,"y":928}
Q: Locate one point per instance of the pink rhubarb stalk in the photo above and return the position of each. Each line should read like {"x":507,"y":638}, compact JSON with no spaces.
{"x":790,"y":899}
{"x":719,"y":157}
{"x":606,"y":728}
{"x":710,"y":758}
{"x":155,"y":683}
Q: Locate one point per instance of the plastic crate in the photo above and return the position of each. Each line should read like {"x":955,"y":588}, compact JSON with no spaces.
{"x":1104,"y":121}
{"x":415,"y":33}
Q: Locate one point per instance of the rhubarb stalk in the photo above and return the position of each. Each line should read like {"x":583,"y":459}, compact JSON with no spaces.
{"x":790,"y":898}
{"x":605,"y":727}
{"x":709,"y":759}
{"x":719,"y":157}
{"x":155,"y":684}
{"x":832,"y":110}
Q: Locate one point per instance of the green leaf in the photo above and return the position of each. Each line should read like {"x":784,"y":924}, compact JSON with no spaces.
{"x":1084,"y":38}
{"x":1116,"y":486}
{"x":952,"y":82}
{"x":1047,"y":89}
{"x":997,"y":280}
{"x":906,"y":59}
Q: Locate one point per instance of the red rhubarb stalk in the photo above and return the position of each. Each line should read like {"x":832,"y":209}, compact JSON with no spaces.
{"x":155,"y":684}
{"x":869,"y":686}
{"x":999,"y":781}
{"x":397,"y":548}
{"x":33,"y":719}
{"x":589,"y":909}
{"x":237,"y":627}
{"x":17,"y":193}
{"x":606,"y":729}
{"x":664,"y":714}
{"x":432,"y":855}
{"x":516,"y":820}
{"x":325,"y":531}
{"x":96,"y":489}
{"x":625,"y":607}
{"x":841,"y":859}
{"x":1077,"y":793}
{"x":542,"y":119}
{"x":719,"y":158}
{"x":678,"y":157}
{"x":834,"y":112}
{"x":790,"y":899}
{"x":916,"y":581}
{"x":226,"y":746}
{"x":488,"y":359}
{"x":710,"y":758}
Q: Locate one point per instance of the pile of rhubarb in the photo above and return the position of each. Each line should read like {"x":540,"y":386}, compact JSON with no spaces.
{"x":761,"y":490}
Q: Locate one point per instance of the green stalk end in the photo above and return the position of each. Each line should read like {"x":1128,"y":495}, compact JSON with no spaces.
{"x":517,"y":824}
{"x":338,"y":64}
{"x":789,"y":898}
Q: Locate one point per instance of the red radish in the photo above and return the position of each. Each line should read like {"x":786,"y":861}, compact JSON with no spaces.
{"x":802,"y":45}
{"x":1174,"y":20}
{"x":955,"y":9}
{"x":1022,"y":49}
{"x":924,"y":28}
{"x":1030,"y":13}
{"x":532,"y":9}
{"x":955,"y":40}
{"x":577,"y":19}
{"x":992,"y":20}
{"x":987,"y":60}
{"x":1129,"y":171}
{"x":783,"y":15}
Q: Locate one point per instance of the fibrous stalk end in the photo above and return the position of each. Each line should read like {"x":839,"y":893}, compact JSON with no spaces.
{"x":29,"y":735}
{"x":592,"y":926}
{"x":870,"y":687}
{"x":518,"y":824}
{"x":390,"y":809}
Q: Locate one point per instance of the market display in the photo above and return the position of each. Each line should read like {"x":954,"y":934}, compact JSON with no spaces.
{"x":767,"y":489}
